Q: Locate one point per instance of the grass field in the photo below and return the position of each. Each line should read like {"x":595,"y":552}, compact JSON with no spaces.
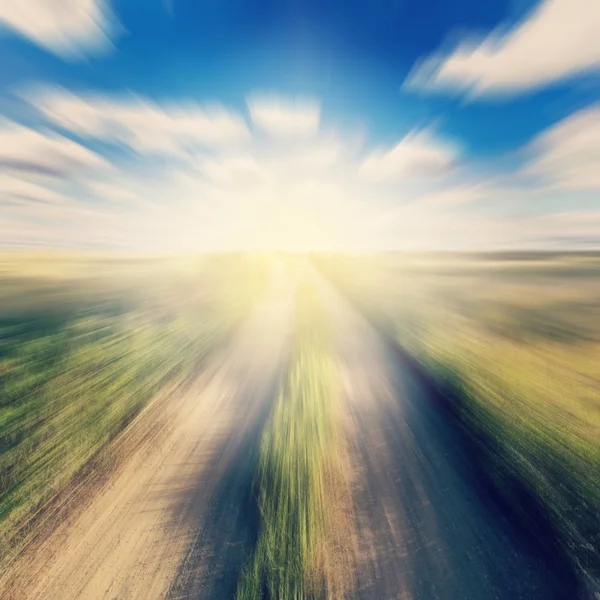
{"x":516,"y":342}
{"x":512,"y":341}
{"x":85,"y":343}
{"x":296,"y":480}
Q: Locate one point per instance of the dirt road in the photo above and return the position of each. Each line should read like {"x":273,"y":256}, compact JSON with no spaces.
{"x":171,"y":521}
{"x":424,"y":530}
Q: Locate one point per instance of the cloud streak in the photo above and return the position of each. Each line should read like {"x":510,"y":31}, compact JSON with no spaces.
{"x":558,"y":40}
{"x":567,"y":155}
{"x":46,"y":153}
{"x":418,"y":155}
{"x":71,"y":29}
{"x":145,"y":127}
{"x":279,"y":117}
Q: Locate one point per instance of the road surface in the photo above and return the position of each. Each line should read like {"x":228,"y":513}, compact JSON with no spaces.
{"x":423,"y":528}
{"x":174,"y":520}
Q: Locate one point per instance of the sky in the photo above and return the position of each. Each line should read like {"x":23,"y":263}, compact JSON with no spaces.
{"x":202,"y":125}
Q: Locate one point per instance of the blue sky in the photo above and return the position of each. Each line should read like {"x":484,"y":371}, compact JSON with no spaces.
{"x":187,"y":125}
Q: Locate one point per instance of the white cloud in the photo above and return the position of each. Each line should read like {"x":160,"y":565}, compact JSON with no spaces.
{"x":285,"y":118}
{"x":26,"y":150}
{"x":571,"y":228}
{"x":116,"y":192}
{"x":237,"y":190}
{"x":266,"y":195}
{"x":174,"y":128}
{"x":427,"y":227}
{"x":418,"y":155}
{"x":69,"y":28}
{"x":240,"y":170}
{"x":18,"y":192}
{"x":456,"y":196}
{"x":567,"y":155}
{"x":557,"y":40}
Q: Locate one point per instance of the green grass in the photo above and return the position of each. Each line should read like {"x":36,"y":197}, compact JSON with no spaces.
{"x":517,"y":342}
{"x":84,"y":346}
{"x":296,"y":474}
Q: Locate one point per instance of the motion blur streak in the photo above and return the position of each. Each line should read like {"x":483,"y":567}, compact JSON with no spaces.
{"x":380,"y":461}
{"x":165,"y":499}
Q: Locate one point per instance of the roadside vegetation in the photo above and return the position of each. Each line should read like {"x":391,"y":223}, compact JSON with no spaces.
{"x":85,"y":344}
{"x":515,"y":342}
{"x":297,"y":481}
